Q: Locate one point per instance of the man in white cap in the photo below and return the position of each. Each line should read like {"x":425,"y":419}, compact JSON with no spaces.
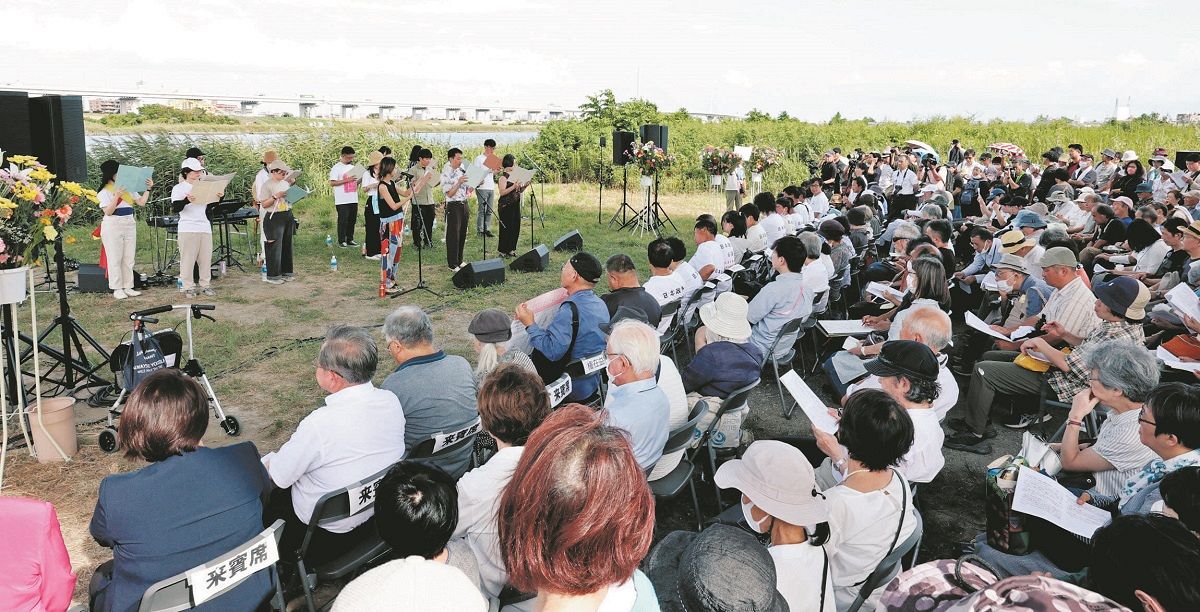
{"x":780,"y":498}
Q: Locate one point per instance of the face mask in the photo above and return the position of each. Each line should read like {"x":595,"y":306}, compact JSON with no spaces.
{"x":756,"y":526}
{"x":1004,"y":286}
{"x":912,"y":281}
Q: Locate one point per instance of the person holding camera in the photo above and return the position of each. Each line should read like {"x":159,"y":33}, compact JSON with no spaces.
{"x":904,"y":186}
{"x":1017,"y":180}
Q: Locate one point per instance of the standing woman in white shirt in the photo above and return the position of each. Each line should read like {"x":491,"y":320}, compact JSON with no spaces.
{"x":372,"y":229}
{"x":871,"y":511}
{"x":195,"y":233}
{"x":118,"y":229}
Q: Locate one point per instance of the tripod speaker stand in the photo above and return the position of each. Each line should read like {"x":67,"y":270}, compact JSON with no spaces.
{"x":625,"y":209}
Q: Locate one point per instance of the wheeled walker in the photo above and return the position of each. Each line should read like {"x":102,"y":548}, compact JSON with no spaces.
{"x":170,"y":345}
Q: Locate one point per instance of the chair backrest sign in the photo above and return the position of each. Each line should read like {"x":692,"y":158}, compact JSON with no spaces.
{"x":212,"y":579}
{"x":735,"y":268}
{"x":559,"y":390}
{"x":595,"y":363}
{"x":443,"y":440}
{"x":362,"y":495}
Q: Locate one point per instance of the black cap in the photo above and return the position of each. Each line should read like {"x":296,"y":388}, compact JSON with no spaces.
{"x":194,"y":152}
{"x":586,"y":266}
{"x":905,"y":358}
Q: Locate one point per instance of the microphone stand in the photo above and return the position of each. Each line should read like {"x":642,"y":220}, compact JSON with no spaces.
{"x":420,"y":249}
{"x":533,"y":204}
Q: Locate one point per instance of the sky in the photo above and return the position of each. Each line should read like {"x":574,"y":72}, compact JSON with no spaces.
{"x":896,"y":60}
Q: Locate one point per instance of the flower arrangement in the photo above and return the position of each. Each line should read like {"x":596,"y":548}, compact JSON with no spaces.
{"x":716,"y":161}
{"x":33,"y":208}
{"x":762,"y":158}
{"x":650,"y":158}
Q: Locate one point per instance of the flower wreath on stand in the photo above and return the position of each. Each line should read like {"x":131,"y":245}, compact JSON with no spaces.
{"x":650,"y":159}
{"x":763,"y":158}
{"x":33,"y":209}
{"x":717,"y":162}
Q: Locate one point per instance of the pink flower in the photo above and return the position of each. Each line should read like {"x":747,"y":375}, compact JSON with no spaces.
{"x":4,"y":258}
{"x":3,"y":246}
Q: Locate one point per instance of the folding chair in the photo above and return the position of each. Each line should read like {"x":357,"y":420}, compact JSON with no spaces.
{"x":341,"y":504}
{"x":807,"y":326}
{"x":198,"y":585}
{"x":853,"y":291}
{"x":441,"y":444}
{"x":735,"y":400}
{"x":889,"y":566}
{"x":669,"y":339}
{"x":587,"y":366}
{"x":671,"y":484}
{"x":789,"y":328}
{"x":689,"y":326}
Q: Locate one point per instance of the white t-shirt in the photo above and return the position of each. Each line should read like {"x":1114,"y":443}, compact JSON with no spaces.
{"x":924,"y":460}
{"x":347,"y":193}
{"x":946,"y":399}
{"x":905,"y":181}
{"x":798,"y":569}
{"x":708,"y":253}
{"x":799,"y":218}
{"x":815,"y":276}
{"x":775,"y":226}
{"x":733,"y":180}
{"x":666,"y":288}
{"x":756,"y":236}
{"x":861,"y":529}
{"x":489,"y":181}
{"x":106,"y":197}
{"x":690,"y":277}
{"x":819,"y":204}
{"x":726,"y":251}
{"x":829,"y":267}
{"x":260,"y":179}
{"x":192,"y":218}
{"x":368,"y":184}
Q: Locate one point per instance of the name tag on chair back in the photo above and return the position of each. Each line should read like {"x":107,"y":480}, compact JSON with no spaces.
{"x":559,"y":390}
{"x":595,"y":363}
{"x":212,"y":579}
{"x":443,"y":440}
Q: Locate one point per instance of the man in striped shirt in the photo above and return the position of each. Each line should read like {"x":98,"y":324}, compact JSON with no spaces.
{"x":1120,"y":306}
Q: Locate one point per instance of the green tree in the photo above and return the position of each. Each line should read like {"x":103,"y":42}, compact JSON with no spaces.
{"x":635,"y":113}
{"x":783,"y":116}
{"x":679,"y":115}
{"x":837,"y":118}
{"x":757,"y":115}
{"x":599,"y":107}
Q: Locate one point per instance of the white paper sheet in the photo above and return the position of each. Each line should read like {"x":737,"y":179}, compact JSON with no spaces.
{"x":520,"y":175}
{"x":882,"y":290}
{"x":293,"y":175}
{"x":476,"y":174}
{"x":1183,"y":299}
{"x":1040,"y":496}
{"x":813,"y":407}
{"x":836,"y":327}
{"x":851,"y":343}
{"x":1172,"y":361}
{"x":206,"y":189}
{"x":356,"y":172}
{"x":989,"y":282}
{"x":977,"y":324}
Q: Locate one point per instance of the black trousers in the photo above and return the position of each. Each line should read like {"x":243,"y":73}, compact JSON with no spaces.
{"x":421,"y":217}
{"x":278,"y":229}
{"x":347,"y":214}
{"x":510,"y":226}
{"x":324,"y":546}
{"x":371,"y":221}
{"x":456,"y":232}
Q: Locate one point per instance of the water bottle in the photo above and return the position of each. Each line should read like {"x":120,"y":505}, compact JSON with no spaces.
{"x":264,"y":271}
{"x":328,"y":241}
{"x":179,"y":283}
{"x":333,"y":264}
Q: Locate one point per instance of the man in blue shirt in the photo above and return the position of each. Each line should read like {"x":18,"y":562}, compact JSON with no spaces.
{"x":635,"y":403}
{"x":782,"y":300}
{"x":579,"y":277}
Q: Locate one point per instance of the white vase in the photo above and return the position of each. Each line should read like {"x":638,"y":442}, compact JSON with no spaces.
{"x":12,"y":285}
{"x":756,"y":177}
{"x":716,"y":180}
{"x":647,"y":181}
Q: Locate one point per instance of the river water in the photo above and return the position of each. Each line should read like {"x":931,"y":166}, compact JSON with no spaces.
{"x":439,"y":139}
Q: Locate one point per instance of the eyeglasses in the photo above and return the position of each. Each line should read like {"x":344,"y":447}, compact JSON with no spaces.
{"x":1142,"y":419}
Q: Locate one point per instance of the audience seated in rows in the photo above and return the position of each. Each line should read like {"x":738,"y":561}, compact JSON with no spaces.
{"x":625,"y":290}
{"x":490,"y":330}
{"x":782,"y":300}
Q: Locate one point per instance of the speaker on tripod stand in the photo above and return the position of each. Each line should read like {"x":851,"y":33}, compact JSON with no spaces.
{"x":622,"y":148}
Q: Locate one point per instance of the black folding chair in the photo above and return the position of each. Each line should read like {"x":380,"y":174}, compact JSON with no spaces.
{"x":208,"y":582}
{"x":671,"y":484}
{"x":735,"y":400}
{"x":789,"y":328}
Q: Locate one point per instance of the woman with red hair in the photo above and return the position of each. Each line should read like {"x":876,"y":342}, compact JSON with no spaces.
{"x":577,"y":517}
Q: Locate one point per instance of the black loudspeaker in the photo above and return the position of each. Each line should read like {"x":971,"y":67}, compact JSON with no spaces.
{"x":14,"y":125}
{"x":622,"y":144}
{"x":480,"y":274}
{"x":656,"y":134}
{"x":56,"y":132}
{"x":603,"y":142}
{"x":571,"y":241}
{"x":91,"y":279}
{"x":536,"y":260}
{"x":1180,"y":158}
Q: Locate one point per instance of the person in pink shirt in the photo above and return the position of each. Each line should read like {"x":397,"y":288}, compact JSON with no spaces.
{"x":34,"y":563}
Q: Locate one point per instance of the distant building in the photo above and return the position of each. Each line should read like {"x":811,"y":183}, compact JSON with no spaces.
{"x":1187,"y":118}
{"x":110,"y":106}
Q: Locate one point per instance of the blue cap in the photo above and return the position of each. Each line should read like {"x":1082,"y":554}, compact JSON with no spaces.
{"x":1028,"y":218}
{"x":996,"y":192}
{"x":1146,"y":187}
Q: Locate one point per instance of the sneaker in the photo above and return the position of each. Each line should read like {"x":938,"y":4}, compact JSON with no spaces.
{"x":1023,"y":421}
{"x":374,"y":257}
{"x":209,"y":291}
{"x":343,"y":245}
{"x":273,"y":281}
{"x":289,"y":277}
{"x":968,"y":442}
{"x":352,"y":243}
{"x":120,"y":294}
{"x":189,"y":294}
{"x":132,"y":293}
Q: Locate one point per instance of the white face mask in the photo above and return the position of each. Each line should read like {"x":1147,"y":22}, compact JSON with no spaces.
{"x":756,"y":526}
{"x":1004,"y":286}
{"x":912,"y":281}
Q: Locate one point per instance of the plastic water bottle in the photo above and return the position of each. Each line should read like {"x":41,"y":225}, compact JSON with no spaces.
{"x":264,"y":271}
{"x":179,"y":283}
{"x":329,"y":240}
{"x":333,"y":264}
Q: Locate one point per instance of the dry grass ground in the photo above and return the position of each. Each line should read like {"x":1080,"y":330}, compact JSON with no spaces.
{"x":259,"y":353}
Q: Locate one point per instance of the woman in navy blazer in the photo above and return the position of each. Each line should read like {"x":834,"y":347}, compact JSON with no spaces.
{"x":190,"y":505}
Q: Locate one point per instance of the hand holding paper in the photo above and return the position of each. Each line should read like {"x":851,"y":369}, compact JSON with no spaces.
{"x":813,"y":407}
{"x":133,"y":178}
{"x":1040,"y":496}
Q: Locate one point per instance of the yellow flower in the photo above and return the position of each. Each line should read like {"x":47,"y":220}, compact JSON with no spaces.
{"x":25,"y":191}
{"x":74,"y":189}
{"x":45,"y":220}
{"x":41,"y":174}
{"x":24,"y":160}
{"x":70,"y":240}
{"x":50,"y":232}
{"x":91,"y":195}
{"x":7,"y":203}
